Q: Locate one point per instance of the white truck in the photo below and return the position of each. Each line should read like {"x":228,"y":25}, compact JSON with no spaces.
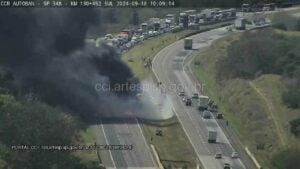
{"x":188,"y":43}
{"x":212,"y":136}
{"x":203,"y":102}
{"x":240,"y":23}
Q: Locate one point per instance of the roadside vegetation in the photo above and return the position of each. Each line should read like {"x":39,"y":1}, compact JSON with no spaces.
{"x":254,"y":77}
{"x":286,"y":21}
{"x":136,"y":57}
{"x":25,"y":120}
{"x":173,"y":147}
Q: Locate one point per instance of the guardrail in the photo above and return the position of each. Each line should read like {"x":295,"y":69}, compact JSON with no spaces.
{"x":208,"y":28}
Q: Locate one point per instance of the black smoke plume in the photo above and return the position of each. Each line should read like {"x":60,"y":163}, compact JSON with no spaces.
{"x":45,"y":49}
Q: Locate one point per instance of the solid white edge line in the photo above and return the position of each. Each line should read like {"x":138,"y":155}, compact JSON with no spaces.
{"x":145,"y":141}
{"x":196,"y":90}
{"x":110,"y":154}
{"x":175,"y":110}
{"x":172,"y":102}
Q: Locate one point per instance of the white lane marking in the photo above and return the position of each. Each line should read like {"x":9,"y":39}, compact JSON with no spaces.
{"x":214,"y":120}
{"x":145,"y":141}
{"x":195,"y":149}
{"x":191,"y":119}
{"x":153,"y":61}
{"x":110,"y":154}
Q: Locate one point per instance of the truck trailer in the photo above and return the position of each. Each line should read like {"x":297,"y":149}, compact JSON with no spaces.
{"x":203,"y":102}
{"x":212,"y":136}
{"x":240,"y":24}
{"x":183,"y":20}
{"x":188,"y":43}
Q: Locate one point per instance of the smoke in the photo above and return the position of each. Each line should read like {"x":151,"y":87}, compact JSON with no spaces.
{"x":156,"y":102}
{"x":45,"y":50}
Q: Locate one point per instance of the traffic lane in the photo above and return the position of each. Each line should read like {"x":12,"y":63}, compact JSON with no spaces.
{"x":177,"y":47}
{"x":140,"y":146}
{"x":202,"y":126}
{"x":112,"y":139}
{"x":221,"y":33}
{"x":203,"y":151}
{"x":190,"y":128}
{"x":130,"y":134}
{"x":173,"y":49}
{"x":223,"y":145}
{"x":200,"y":130}
{"x":100,"y":139}
{"x":222,"y":123}
{"x":125,"y":138}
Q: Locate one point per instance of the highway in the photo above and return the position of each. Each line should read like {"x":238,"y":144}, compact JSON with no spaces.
{"x":124,"y":132}
{"x":169,"y":67}
{"x":172,"y":66}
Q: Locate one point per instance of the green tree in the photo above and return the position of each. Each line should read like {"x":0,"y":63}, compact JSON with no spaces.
{"x":295,"y":127}
{"x":36,"y":124}
{"x":288,"y":159}
{"x":292,"y":98}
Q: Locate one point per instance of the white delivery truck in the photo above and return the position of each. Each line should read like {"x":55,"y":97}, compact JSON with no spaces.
{"x":188,"y":43}
{"x":212,"y":136}
{"x":240,"y":23}
{"x":203,"y":102}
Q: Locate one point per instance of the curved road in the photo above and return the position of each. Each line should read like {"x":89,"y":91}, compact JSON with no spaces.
{"x":168,"y":67}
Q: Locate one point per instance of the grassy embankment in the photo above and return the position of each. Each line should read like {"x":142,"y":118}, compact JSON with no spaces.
{"x":87,"y":138}
{"x":254,"y":107}
{"x":173,"y":147}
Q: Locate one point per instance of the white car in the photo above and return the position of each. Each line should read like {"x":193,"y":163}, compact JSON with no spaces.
{"x":218,"y":155}
{"x":184,"y":99}
{"x":181,"y":94}
{"x":108,"y":36}
{"x":235,"y":155}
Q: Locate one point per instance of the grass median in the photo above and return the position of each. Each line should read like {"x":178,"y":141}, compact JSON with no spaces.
{"x":86,"y":137}
{"x":135,"y":57}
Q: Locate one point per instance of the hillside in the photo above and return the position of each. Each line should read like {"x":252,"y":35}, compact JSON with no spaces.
{"x":252,"y":98}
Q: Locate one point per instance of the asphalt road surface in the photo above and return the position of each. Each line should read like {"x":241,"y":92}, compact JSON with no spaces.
{"x":168,"y":66}
{"x":124,"y":132}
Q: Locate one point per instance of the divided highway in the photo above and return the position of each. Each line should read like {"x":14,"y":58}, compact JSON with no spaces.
{"x":168,"y":67}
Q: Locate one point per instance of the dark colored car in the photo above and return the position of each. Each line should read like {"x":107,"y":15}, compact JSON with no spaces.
{"x":188,"y":102}
{"x":220,"y":116}
{"x":227,"y":166}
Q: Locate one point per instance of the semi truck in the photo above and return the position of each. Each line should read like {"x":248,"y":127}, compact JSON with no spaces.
{"x":188,"y":43}
{"x":212,"y":136}
{"x":183,"y":20}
